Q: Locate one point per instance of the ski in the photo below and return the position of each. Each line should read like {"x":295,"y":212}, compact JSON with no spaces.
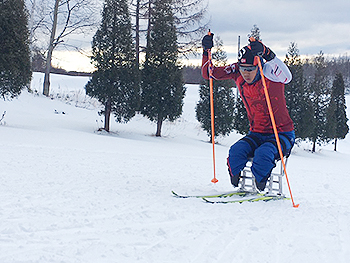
{"x":222,"y":195}
{"x":257,"y":198}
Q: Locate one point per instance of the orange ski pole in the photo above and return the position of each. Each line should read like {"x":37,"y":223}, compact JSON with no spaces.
{"x":214,"y":180}
{"x":272,"y":117}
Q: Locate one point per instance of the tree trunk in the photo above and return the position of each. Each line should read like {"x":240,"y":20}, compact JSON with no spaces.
{"x":46,"y":88}
{"x":31,"y":32}
{"x":137,"y":47}
{"x":335,"y":144}
{"x":211,"y":139}
{"x":137,"y":34}
{"x":107,"y":115}
{"x":314,"y":146}
{"x":159,"y":127}
{"x":149,"y":19}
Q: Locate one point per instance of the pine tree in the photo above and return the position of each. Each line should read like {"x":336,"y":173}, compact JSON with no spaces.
{"x":224,"y":100}
{"x":113,"y":83}
{"x":298,"y":96}
{"x":337,"y":127}
{"x":241,"y":122}
{"x":162,"y":85}
{"x":320,"y":100}
{"x":15,"y":72}
{"x":255,"y":32}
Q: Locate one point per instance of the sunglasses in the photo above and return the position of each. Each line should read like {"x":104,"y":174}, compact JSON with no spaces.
{"x":247,"y":68}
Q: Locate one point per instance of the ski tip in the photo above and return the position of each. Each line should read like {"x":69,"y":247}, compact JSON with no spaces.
{"x":295,"y":205}
{"x":179,"y":196}
{"x":207,"y":201}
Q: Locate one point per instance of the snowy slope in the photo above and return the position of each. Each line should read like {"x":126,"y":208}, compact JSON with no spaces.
{"x":70,"y":194}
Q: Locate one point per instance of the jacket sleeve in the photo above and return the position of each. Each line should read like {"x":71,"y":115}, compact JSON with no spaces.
{"x":219,"y":73}
{"x":275,"y":70}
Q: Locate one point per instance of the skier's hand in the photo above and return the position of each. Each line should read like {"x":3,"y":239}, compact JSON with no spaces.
{"x":207,"y":42}
{"x":259,"y":49}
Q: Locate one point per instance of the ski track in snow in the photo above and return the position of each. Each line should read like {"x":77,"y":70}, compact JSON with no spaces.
{"x":70,"y":194}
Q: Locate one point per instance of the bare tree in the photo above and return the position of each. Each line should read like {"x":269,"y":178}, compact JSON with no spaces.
{"x":188,"y":15}
{"x":31,"y":23}
{"x":37,"y":16}
{"x":67,"y":18}
{"x":46,"y":87}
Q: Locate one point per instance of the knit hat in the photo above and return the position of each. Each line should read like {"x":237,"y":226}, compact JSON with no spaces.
{"x":245,"y":56}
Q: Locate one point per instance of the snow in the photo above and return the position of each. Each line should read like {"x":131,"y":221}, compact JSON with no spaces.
{"x":71,"y":194}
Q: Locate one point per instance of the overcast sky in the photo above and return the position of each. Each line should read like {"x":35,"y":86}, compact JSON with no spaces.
{"x":314,"y":25}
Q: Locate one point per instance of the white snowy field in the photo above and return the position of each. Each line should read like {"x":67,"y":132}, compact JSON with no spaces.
{"x":71,"y":194}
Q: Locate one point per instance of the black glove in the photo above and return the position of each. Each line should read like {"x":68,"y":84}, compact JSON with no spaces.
{"x":207,"y":43}
{"x":259,"y":49}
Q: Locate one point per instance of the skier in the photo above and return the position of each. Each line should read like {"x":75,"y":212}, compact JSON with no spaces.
{"x":260,"y":142}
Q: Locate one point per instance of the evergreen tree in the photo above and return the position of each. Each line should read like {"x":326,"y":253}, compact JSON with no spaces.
{"x":320,"y":100}
{"x":113,"y":83}
{"x":224,"y":100}
{"x":255,"y":32}
{"x":298,"y":96}
{"x":337,"y":127}
{"x":162,"y":85}
{"x":15,"y":72}
{"x":241,"y":122}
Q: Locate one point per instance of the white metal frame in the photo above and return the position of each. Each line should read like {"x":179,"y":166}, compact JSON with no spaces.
{"x":274,"y":183}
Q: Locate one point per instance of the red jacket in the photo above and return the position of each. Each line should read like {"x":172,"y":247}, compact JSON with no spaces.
{"x":276,"y":75}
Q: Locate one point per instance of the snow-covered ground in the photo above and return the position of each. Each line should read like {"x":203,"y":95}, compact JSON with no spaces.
{"x":70,"y":194}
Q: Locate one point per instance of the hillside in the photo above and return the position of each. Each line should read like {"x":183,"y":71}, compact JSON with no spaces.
{"x":71,"y":194}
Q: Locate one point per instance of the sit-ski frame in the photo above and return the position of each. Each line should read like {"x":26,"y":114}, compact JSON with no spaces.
{"x":274,"y":183}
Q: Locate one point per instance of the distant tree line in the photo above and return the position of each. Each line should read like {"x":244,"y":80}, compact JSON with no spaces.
{"x":192,"y":73}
